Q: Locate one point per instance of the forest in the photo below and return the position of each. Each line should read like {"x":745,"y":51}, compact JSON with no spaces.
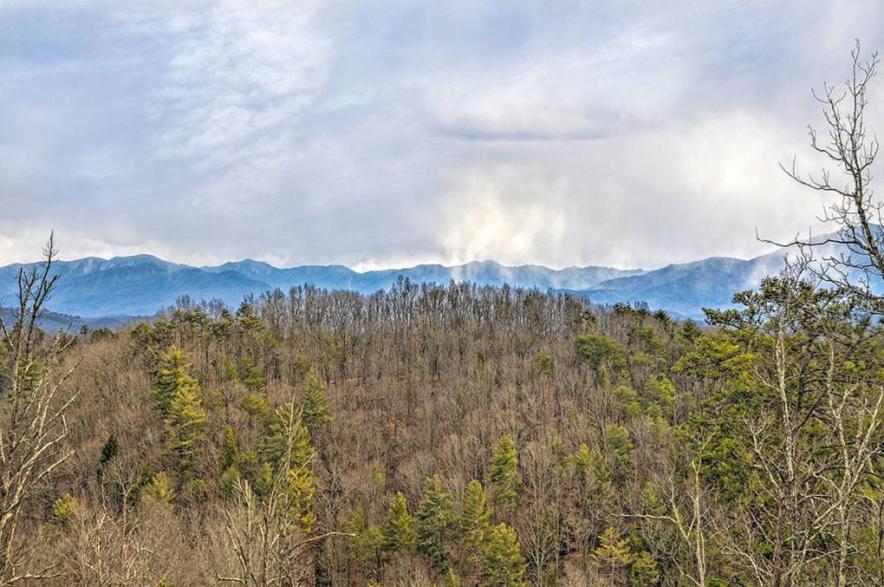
{"x":459,"y":435}
{"x":448,"y":435}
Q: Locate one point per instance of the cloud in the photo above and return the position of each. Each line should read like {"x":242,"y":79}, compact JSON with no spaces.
{"x":626,"y":133}
{"x":238,"y":76}
{"x":507,"y":214}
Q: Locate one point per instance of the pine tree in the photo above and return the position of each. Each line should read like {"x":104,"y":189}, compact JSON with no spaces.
{"x":475,"y":517}
{"x":64,"y":510}
{"x":229,"y":452}
{"x":503,"y":563}
{"x":314,"y":405}
{"x":368,"y":541}
{"x":619,"y":446}
{"x":399,"y":526}
{"x":185,"y":420}
{"x":504,"y":476}
{"x":250,"y":375}
{"x":171,"y":375}
{"x":613,"y":553}
{"x":159,"y":489}
{"x":289,"y":454}
{"x":176,"y":396}
{"x":644,"y":571}
{"x":109,"y":452}
{"x":434,"y":520}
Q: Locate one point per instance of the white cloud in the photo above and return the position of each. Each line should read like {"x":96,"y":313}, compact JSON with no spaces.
{"x":507,"y":214}
{"x":238,"y":76}
{"x":386,"y":133}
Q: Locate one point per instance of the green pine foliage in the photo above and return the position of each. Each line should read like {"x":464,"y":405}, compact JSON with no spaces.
{"x":644,"y":571}
{"x":601,"y":353}
{"x":398,"y":530}
{"x":504,"y":476}
{"x":229,"y":451}
{"x":159,"y":489}
{"x":475,"y":517}
{"x":185,"y":421}
{"x":434,"y":521}
{"x":543,"y":361}
{"x":64,"y":510}
{"x":503,"y":563}
{"x":288,"y":454}
{"x":176,"y":395}
{"x":250,"y":375}
{"x":314,"y":404}
{"x":613,"y":552}
{"x":171,"y":375}
{"x":618,"y":448}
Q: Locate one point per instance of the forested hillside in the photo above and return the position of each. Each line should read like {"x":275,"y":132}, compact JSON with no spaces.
{"x":448,"y":436}
{"x":465,"y":434}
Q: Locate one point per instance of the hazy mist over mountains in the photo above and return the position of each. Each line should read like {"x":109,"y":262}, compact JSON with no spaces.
{"x":141,"y":285}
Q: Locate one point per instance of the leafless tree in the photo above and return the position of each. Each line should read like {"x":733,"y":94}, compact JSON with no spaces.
{"x":851,"y":258}
{"x":269,"y":543}
{"x":32,"y":423}
{"x":687,"y":512}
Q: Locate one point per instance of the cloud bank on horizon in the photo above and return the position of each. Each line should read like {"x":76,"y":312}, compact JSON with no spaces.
{"x":379,"y":134}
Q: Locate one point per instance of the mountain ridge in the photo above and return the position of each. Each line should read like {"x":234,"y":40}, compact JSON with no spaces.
{"x":144,"y":284}
{"x":141,"y":285}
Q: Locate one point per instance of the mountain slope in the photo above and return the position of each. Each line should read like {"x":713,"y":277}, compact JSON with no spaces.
{"x":129,"y":286}
{"x":687,"y":288}
{"x":143,"y":284}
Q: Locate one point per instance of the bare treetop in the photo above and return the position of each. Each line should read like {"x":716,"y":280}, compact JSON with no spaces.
{"x":850,"y":150}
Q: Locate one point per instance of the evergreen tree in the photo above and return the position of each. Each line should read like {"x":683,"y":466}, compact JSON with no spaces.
{"x":368,"y":542}
{"x":108,"y":453}
{"x":250,"y":375}
{"x":601,"y":353}
{"x":159,"y":489}
{"x":434,"y":520}
{"x":504,"y":476}
{"x":171,"y":375}
{"x":314,"y":405}
{"x":185,"y":420}
{"x":475,"y":517}
{"x":288,"y":454}
{"x":503,"y":563}
{"x":644,"y":571}
{"x":399,"y":526}
{"x":229,"y":452}
{"x":613,"y":553}
{"x":64,"y":510}
{"x":176,"y":396}
{"x":619,"y":448}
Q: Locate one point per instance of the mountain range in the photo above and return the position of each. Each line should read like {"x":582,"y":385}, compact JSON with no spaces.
{"x":95,"y":289}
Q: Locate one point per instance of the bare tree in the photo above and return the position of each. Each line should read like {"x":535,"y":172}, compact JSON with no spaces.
{"x":687,"y":512}
{"x":32,"y":410}
{"x":850,"y":150}
{"x":269,"y":542}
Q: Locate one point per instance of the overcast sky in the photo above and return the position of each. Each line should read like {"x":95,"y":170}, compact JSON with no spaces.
{"x":387,"y":133}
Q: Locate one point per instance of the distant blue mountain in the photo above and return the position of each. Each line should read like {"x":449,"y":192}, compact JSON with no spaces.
{"x":684,"y":289}
{"x":143,"y":284}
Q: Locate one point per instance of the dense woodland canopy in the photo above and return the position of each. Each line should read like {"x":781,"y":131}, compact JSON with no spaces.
{"x":458,"y":435}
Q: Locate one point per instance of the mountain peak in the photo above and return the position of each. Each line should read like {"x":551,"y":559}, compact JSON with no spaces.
{"x":143,"y":284}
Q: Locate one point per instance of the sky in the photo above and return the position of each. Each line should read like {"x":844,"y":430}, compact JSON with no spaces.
{"x":388,"y":133}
